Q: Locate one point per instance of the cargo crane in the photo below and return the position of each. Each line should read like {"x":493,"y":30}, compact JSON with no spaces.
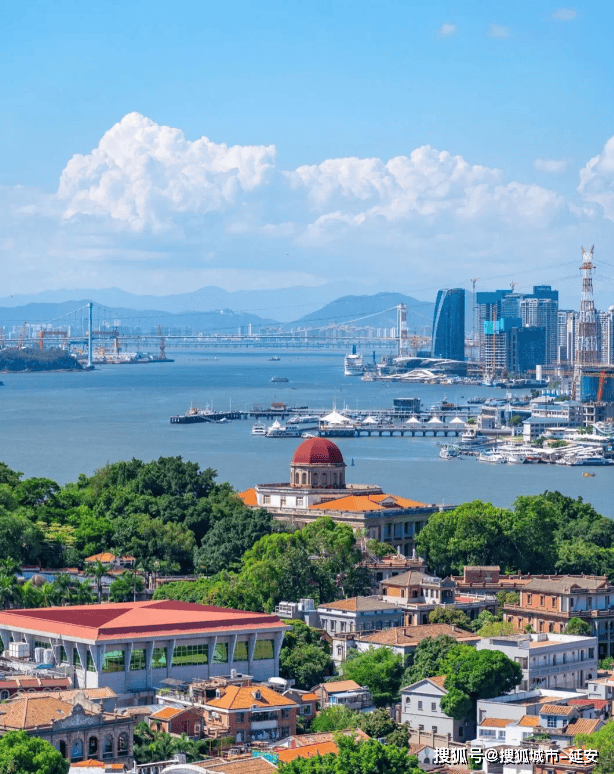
{"x":22,"y":335}
{"x":56,"y":334}
{"x":602,"y":379}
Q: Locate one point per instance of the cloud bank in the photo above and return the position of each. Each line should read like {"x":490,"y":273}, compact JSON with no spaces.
{"x":152,"y":211}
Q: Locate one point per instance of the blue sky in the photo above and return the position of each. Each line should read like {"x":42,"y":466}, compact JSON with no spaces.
{"x":521,"y":92}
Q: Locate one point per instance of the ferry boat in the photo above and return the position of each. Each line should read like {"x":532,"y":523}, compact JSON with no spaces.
{"x":277,"y":430}
{"x":492,"y":457}
{"x":258,"y":429}
{"x":353,"y":364}
{"x":278,"y":379}
{"x":449,"y":453}
{"x":274,"y":359}
{"x":470,"y":438}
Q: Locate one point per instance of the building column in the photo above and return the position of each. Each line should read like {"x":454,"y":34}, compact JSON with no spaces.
{"x":277,"y":644}
{"x":251,"y":644}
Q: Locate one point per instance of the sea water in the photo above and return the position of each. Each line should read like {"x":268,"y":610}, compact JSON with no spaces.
{"x":58,"y":425}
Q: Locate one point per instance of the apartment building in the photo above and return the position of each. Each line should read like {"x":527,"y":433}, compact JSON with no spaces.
{"x":359,"y":614}
{"x":547,"y":605}
{"x":421,"y":708}
{"x":560,"y":661}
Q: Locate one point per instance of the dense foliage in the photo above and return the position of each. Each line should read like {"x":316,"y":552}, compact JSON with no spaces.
{"x":30,"y":359}
{"x":603,"y":742}
{"x":305,"y":656}
{"x":378,"y":669}
{"x":24,"y":754}
{"x":428,"y":658}
{"x":545,"y":533}
{"x":151,"y":746}
{"x":370,"y":757}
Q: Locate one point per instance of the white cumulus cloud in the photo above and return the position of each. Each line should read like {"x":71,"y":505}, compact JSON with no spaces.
{"x":597,"y":179}
{"x":564,"y":14}
{"x":447,"y":30}
{"x":497,"y":31}
{"x":551,"y":166}
{"x":141,"y":174}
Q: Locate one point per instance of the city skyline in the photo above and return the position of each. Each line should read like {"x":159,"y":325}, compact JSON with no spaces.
{"x":433,"y":145}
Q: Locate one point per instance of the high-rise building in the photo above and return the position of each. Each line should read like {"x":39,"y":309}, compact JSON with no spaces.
{"x":449,"y":324}
{"x":605,"y":336}
{"x":527,"y":349}
{"x":542,"y":313}
{"x":487,"y":313}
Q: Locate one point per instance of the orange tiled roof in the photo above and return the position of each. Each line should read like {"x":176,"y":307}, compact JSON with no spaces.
{"x":166,"y":713}
{"x":360,"y":503}
{"x":409,"y":635}
{"x":529,"y":720}
{"x":243,"y":696}
{"x":583,"y":726}
{"x":90,"y":693}
{"x":106,"y":557}
{"x":556,"y":709}
{"x":309,"y":751}
{"x":496,"y":722}
{"x":303,"y":740}
{"x":438,"y":680}
{"x":248,"y":765}
{"x":341,"y":686}
{"x":33,"y":711}
{"x":249,"y":496}
{"x":91,"y":764}
{"x":134,"y":619}
{"x":309,"y":697}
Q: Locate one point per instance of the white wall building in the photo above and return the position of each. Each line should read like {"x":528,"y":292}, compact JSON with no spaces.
{"x":421,"y":708}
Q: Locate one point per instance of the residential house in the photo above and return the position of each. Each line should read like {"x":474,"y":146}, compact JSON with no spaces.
{"x":16,"y":684}
{"x":358,"y":614}
{"x":344,"y":692}
{"x":402,"y":640}
{"x":548,"y":606}
{"x":515,"y":706}
{"x":178,"y":720}
{"x":421,"y":708}
{"x":548,"y":660}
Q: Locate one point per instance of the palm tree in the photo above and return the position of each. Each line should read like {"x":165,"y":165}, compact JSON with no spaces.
{"x":97,"y":571}
{"x":9,"y":590}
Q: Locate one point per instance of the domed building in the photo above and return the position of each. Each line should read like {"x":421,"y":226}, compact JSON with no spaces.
{"x":318,"y":487}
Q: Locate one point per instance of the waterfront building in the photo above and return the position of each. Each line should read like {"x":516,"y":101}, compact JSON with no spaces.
{"x":547,"y":605}
{"x":318,"y":487}
{"x":527,"y":349}
{"x":133,"y":647}
{"x":540,"y":310}
{"x":560,"y":661}
{"x":448,"y":339}
{"x":421,"y":708}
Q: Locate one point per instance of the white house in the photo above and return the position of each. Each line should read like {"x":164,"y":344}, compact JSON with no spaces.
{"x":421,"y":708}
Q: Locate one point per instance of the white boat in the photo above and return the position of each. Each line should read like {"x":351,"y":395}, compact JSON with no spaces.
{"x":353,"y":364}
{"x":516,"y":458}
{"x":276,"y":430}
{"x":258,"y":430}
{"x":449,"y":453}
{"x":492,"y":457}
{"x":309,"y":435}
{"x":471,"y":438}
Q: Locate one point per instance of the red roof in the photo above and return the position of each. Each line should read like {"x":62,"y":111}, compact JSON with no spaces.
{"x":135,"y":619}
{"x":317,"y":451}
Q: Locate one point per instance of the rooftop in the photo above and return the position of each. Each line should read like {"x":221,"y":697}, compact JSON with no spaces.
{"x":243,"y":766}
{"x":359,"y":604}
{"x":34,"y":711}
{"x":556,"y":709}
{"x":410,"y":635}
{"x":566,"y":583}
{"x":583,"y":726}
{"x":134,"y":619}
{"x":308,"y":751}
{"x":340,"y":686}
{"x":243,"y":697}
{"x":496,"y":722}
{"x":529,"y":720}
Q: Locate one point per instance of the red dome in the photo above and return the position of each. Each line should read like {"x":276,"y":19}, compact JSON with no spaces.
{"x":317,"y":451}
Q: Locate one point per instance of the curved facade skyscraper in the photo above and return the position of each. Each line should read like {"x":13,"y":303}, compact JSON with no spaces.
{"x":449,"y":324}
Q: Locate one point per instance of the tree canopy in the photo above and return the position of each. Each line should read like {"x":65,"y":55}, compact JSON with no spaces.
{"x":603,"y":742}
{"x":428,"y":658}
{"x":24,"y":754}
{"x":379,"y":669}
{"x":305,"y":655}
{"x":578,"y":627}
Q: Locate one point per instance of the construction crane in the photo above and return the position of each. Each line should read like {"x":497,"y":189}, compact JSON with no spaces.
{"x":56,"y":334}
{"x":513,"y":285}
{"x":473,"y":281}
{"x":602,"y":377}
{"x":22,"y":335}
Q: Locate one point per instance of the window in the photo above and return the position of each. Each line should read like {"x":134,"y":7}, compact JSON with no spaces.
{"x":551,"y":722}
{"x":220,"y":654}
{"x":299,"y":502}
{"x":285,"y":713}
{"x":76,"y":659}
{"x":434,"y":729}
{"x":542,"y":601}
{"x":420,"y":728}
{"x":63,"y":655}
{"x":137,"y":660}
{"x":591,"y":652}
{"x":190,"y":655}
{"x":266,"y":499}
{"x":158,"y":659}
{"x":433,"y":706}
{"x":40,"y":644}
{"x":264,"y":650}
{"x":529,"y":599}
{"x":282,"y":502}
{"x":240,"y":717}
{"x":419,"y":705}
{"x":113,"y":661}
{"x":89,"y":662}
{"x":240,"y":653}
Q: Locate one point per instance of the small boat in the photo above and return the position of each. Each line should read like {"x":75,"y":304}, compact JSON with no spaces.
{"x":310,"y":435}
{"x":492,"y":457}
{"x":352,"y":463}
{"x":258,"y":430}
{"x":278,"y":379}
{"x":274,"y":359}
{"x":588,"y":475}
{"x":448,"y":453}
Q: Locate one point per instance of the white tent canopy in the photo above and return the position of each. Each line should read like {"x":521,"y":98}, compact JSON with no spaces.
{"x":370,"y":421}
{"x":457,"y":421}
{"x":413,"y":421}
{"x":335,"y":418}
{"x":435,"y":421}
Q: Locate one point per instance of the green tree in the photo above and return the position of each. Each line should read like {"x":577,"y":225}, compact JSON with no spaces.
{"x":97,"y":570}
{"x":24,"y":754}
{"x":450,"y":615}
{"x":379,"y":669}
{"x":476,"y":674}
{"x":370,"y":757}
{"x":305,"y":655}
{"x":428,"y":658}
{"x":336,"y":718}
{"x":507,"y":598}
{"x":603,"y":742}
{"x":126,"y":587}
{"x":496,"y":629}
{"x":8,"y":476}
{"x":578,"y":627}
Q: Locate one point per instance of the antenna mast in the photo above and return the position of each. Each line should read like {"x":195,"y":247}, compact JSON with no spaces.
{"x":586,"y":349}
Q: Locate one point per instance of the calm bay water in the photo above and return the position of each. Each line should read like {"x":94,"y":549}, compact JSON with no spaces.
{"x":61,"y":424}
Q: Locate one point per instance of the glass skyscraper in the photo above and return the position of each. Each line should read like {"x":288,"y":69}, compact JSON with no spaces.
{"x":449,"y":324}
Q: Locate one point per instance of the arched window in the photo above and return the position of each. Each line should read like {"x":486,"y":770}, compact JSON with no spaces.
{"x":92,"y":747}
{"x":62,"y":748}
{"x":4,"y":695}
{"x":551,"y":627}
{"x":304,"y":476}
{"x":76,"y":751}
{"x":122,"y":744}
{"x":314,"y":478}
{"x":107,"y":750}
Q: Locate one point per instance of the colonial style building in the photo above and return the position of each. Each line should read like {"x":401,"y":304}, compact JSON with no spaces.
{"x":78,"y":728}
{"x":421,"y":708}
{"x":318,"y":487}
{"x":133,"y":647}
{"x":548,"y":605}
{"x":358,"y":614}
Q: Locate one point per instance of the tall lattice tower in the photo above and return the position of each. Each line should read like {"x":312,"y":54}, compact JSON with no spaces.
{"x":586,"y":350}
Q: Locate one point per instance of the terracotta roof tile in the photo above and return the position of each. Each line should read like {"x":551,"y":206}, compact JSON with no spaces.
{"x":362,"y":503}
{"x":408,"y":635}
{"x":358,"y":604}
{"x":438,"y":680}
{"x":309,"y":697}
{"x":33,"y":711}
{"x":496,"y":722}
{"x":341,"y":686}
{"x":309,"y":751}
{"x":166,"y":713}
{"x":243,"y":697}
{"x":583,"y":726}
{"x":556,"y":709}
{"x":244,"y":766}
{"x":529,"y":720}
{"x":249,"y":496}
{"x":302,"y":740}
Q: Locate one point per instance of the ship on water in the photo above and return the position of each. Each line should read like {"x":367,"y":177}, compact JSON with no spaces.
{"x":353,"y":364}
